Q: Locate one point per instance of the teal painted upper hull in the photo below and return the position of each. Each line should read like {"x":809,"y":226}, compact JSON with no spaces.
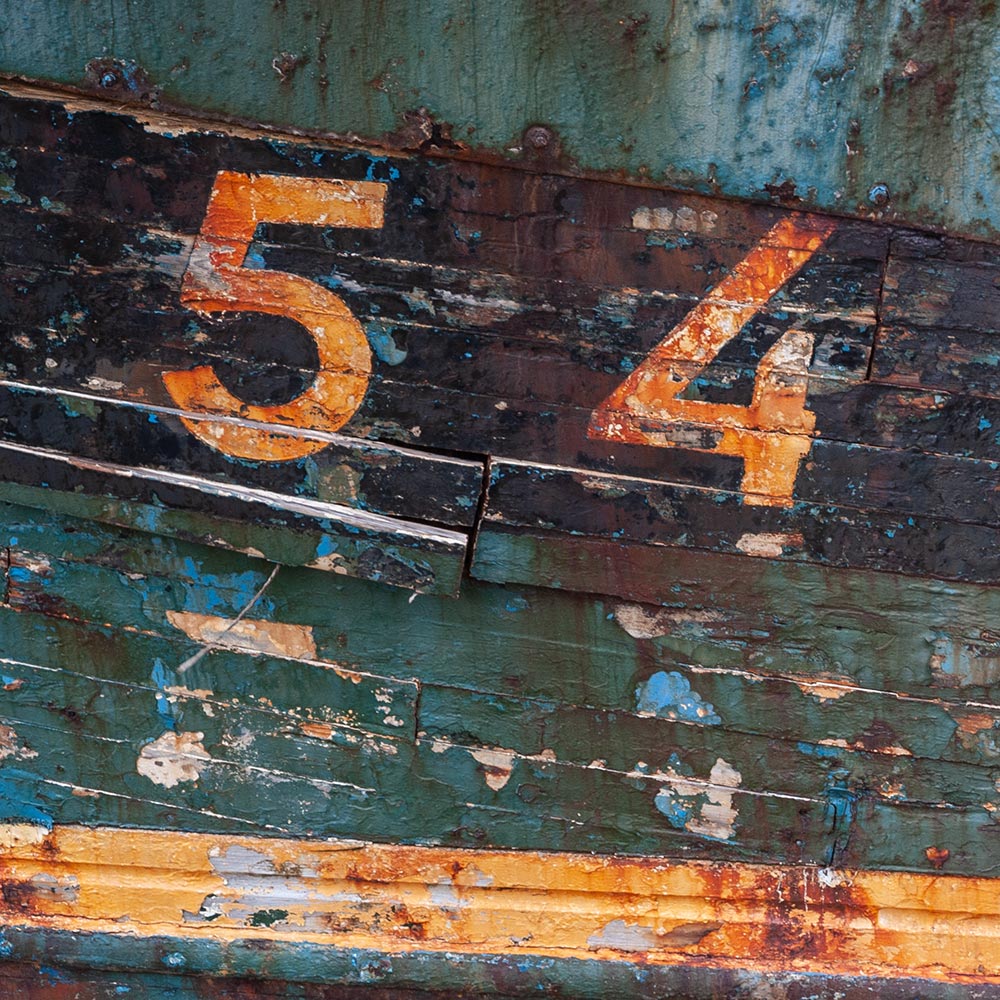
{"x":881,"y":109}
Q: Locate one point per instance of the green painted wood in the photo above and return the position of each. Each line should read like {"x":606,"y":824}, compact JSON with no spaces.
{"x":396,"y":553}
{"x":596,"y":707}
{"x":878,"y":108}
{"x":157,"y":967}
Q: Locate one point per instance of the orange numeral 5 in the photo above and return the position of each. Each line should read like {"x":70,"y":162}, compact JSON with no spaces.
{"x":773,"y":433}
{"x":216,"y":281}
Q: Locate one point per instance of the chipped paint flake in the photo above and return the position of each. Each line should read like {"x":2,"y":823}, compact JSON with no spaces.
{"x":771,"y":545}
{"x":14,"y":835}
{"x":623,"y":936}
{"x":669,"y":696}
{"x":498,"y":764}
{"x":891,"y":751}
{"x":173,"y":758}
{"x":249,"y":635}
{"x":702,"y":808}
{"x":11,"y":745}
{"x":643,"y":622}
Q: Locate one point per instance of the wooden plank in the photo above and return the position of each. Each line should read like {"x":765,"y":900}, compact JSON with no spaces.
{"x":572,"y":503}
{"x":367,"y":475}
{"x":271,"y":525}
{"x":271,"y":891}
{"x":621,"y":752}
{"x":878,"y":632}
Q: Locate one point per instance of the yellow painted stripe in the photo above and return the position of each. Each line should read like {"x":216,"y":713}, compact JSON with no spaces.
{"x":394,"y":899}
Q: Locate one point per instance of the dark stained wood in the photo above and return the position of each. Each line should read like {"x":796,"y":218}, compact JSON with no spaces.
{"x":502,"y":308}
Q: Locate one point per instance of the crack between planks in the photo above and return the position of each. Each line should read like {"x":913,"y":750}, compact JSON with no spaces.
{"x":879,"y":298}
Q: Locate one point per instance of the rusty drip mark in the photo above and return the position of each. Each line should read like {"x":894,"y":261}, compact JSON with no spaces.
{"x":209,"y":646}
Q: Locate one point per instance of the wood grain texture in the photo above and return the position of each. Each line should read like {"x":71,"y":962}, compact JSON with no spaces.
{"x":501,"y":308}
{"x":589,"y":645}
{"x":527,"y":718}
{"x":199,"y":892}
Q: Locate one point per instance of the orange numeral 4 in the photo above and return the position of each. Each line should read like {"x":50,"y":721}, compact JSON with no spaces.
{"x":774,"y":432}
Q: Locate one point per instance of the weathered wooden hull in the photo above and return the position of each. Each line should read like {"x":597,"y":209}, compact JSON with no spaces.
{"x":433,"y":573}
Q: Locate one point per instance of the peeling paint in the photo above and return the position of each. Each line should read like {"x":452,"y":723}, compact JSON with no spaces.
{"x":173,"y":758}
{"x":251,"y":635}
{"x":703,"y":808}
{"x":645,"y":622}
{"x":624,"y":936}
{"x":11,"y":745}
{"x":670,"y":696}
{"x":768,"y":544}
{"x":498,"y":765}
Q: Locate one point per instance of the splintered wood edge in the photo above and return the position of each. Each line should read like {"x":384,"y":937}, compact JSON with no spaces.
{"x":392,"y":899}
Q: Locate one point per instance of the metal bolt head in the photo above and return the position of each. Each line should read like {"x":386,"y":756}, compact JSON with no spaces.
{"x":538,"y":137}
{"x":878,"y":194}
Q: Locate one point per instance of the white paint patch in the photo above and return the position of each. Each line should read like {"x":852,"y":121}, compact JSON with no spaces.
{"x":21,"y":834}
{"x":331,"y":563}
{"x":175,"y":691}
{"x":830,"y":878}
{"x":703,"y":808}
{"x":643,"y":622}
{"x":11,"y":745}
{"x":623,"y":937}
{"x":103,"y":384}
{"x":685,"y":219}
{"x":498,"y":764}
{"x":173,"y":758}
{"x":718,"y":817}
{"x":249,"y":635}
{"x":443,"y":894}
{"x":825,"y":690}
{"x":769,"y":545}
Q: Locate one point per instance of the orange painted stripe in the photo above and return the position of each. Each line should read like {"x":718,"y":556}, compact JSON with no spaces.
{"x":396,"y":899}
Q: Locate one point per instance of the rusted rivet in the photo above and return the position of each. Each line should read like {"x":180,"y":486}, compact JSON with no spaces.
{"x":538,"y":136}
{"x":937,"y":856}
{"x":878,"y":194}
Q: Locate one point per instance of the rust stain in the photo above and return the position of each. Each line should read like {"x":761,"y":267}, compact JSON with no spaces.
{"x":394,"y":898}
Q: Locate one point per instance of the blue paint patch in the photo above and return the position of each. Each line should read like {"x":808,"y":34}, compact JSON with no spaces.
{"x":381,"y":170}
{"x":817,"y":751}
{"x":53,"y":975}
{"x":20,"y":574}
{"x":326,"y":547}
{"x":984,"y":424}
{"x":161,"y":678}
{"x":383,"y":344}
{"x":675,"y":809}
{"x":174,"y":960}
{"x":669,"y":696}
{"x":515,"y":604}
{"x":254,"y":259}
{"x":17,"y":799}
